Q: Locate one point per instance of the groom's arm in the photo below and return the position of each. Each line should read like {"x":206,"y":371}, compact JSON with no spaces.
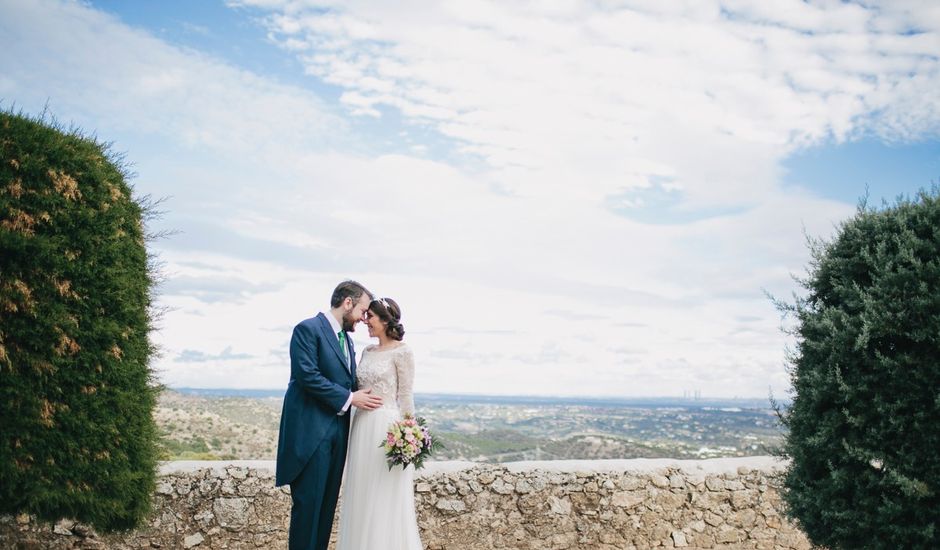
{"x":303,"y":353}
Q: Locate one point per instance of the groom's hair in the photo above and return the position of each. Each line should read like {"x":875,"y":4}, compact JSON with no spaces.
{"x":348,"y":289}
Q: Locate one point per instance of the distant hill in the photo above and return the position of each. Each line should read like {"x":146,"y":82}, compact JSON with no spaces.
{"x":217,"y":423}
{"x":641,"y":402}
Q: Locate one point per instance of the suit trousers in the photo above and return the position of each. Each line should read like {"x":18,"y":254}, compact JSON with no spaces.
{"x":315,"y":490}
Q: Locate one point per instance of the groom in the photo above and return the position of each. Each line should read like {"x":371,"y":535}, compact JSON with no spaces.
{"x":311,"y":448}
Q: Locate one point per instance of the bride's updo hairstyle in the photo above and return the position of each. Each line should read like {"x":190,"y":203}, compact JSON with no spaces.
{"x":388,"y":311}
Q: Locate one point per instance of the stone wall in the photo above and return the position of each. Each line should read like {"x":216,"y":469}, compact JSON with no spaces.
{"x":604,"y":505}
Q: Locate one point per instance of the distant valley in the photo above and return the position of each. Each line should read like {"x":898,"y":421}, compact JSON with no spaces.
{"x":240,"y":424}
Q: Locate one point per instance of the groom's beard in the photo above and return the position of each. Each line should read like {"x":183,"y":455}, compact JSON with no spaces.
{"x":349,"y":322}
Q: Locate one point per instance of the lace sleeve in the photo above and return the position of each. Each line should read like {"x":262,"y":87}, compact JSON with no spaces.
{"x":405,"y":367}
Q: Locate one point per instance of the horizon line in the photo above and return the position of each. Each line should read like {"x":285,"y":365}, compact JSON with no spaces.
{"x":521,"y":396}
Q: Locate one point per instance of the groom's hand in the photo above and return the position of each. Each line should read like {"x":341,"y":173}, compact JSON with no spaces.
{"x":363,"y":399}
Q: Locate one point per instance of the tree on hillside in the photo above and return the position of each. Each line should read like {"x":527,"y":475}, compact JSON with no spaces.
{"x":864,"y":424}
{"x":77,"y":437}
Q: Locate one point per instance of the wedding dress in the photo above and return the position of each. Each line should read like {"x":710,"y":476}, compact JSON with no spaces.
{"x":378,"y":509}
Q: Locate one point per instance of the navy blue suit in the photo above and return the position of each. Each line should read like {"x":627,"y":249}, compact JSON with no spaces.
{"x":311,"y":447}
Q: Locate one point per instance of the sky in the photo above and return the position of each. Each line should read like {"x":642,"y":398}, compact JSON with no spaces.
{"x":566,"y":198}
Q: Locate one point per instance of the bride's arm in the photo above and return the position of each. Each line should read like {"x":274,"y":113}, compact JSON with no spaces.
{"x":405,"y":366}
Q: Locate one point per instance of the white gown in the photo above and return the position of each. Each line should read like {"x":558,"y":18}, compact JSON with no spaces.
{"x":378,"y":508}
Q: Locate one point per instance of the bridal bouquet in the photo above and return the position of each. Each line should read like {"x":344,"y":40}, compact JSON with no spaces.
{"x":408,"y":441}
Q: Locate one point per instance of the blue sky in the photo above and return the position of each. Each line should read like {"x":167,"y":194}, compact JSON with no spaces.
{"x":883,"y":170}
{"x":567,"y":198}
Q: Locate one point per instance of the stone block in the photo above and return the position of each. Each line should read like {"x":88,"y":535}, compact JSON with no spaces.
{"x":679,"y":540}
{"x":63,"y":527}
{"x":193,"y":540}
{"x":249,"y":488}
{"x":232,"y":513}
{"x":631,"y":483}
{"x":451,"y":506}
{"x":743,"y":518}
{"x":734,"y":485}
{"x":741,"y":500}
{"x":714,"y":483}
{"x":561,"y":506}
{"x":659,"y":481}
{"x":501,"y":487}
{"x":728,"y":534}
{"x":713,"y":519}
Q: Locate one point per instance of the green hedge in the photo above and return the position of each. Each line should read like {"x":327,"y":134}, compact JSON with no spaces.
{"x":864,"y":425}
{"x":77,"y":436}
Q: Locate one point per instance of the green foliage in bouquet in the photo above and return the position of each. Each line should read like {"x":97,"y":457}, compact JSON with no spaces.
{"x":864,"y":423}
{"x":77,"y":436}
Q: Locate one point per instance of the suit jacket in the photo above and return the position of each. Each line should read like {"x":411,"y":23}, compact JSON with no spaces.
{"x":319,"y":386}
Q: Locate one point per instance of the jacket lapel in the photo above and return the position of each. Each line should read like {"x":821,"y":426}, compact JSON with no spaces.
{"x":352,"y":358}
{"x":331,"y":338}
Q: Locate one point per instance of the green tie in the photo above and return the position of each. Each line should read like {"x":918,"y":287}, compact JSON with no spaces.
{"x":342,"y":344}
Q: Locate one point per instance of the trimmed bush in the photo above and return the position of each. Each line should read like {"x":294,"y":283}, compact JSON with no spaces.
{"x":864,"y":424}
{"x":77,"y":436}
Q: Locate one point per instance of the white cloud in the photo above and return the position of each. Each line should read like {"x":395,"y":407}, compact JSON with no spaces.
{"x":515,"y":274}
{"x":108,"y":75}
{"x":576,"y":94}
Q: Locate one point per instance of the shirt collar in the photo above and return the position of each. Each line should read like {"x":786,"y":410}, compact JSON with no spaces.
{"x":333,"y":322}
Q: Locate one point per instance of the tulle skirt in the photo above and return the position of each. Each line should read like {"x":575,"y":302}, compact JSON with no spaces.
{"x":378,"y":508}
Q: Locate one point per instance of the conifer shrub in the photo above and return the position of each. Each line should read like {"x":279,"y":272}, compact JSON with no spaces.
{"x":864,"y":424}
{"x":77,"y":435}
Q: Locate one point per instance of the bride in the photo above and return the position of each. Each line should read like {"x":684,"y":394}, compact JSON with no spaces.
{"x":378,"y":509}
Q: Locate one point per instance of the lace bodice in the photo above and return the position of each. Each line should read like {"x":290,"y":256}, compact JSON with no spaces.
{"x":390,"y":373}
